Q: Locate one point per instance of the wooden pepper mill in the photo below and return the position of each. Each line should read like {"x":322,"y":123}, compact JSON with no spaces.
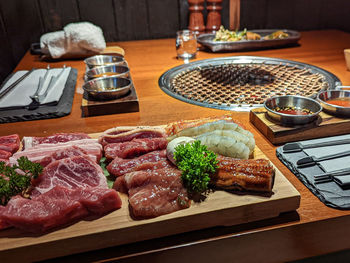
{"x":196,"y":23}
{"x":214,"y":17}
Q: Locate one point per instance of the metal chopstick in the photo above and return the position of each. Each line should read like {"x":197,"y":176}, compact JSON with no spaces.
{"x":327,"y":177}
{"x":13,"y":85}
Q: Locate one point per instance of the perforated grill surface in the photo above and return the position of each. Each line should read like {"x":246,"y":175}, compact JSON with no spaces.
{"x":240,"y":83}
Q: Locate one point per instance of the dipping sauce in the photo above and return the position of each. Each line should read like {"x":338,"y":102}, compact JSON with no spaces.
{"x":343,"y":102}
{"x":293,"y":111}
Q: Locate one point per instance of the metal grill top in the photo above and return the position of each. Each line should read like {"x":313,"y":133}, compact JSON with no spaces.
{"x":243,"y":82}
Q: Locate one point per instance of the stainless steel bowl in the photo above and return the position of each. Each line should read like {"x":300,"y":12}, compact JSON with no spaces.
{"x":107,"y":88}
{"x":104,"y":60}
{"x":323,"y":96}
{"x":298,"y":102}
{"x":111,"y":70}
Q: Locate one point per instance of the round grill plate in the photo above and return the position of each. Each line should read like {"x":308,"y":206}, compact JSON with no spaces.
{"x":230,"y":83}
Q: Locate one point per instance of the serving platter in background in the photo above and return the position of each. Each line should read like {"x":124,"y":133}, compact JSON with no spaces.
{"x":220,"y":208}
{"x":207,"y":40}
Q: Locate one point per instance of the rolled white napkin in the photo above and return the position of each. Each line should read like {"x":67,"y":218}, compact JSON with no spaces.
{"x":76,"y":39}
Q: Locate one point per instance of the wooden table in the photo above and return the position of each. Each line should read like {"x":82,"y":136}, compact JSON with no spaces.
{"x":313,"y":229}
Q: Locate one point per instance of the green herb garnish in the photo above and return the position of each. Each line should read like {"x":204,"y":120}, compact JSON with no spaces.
{"x":197,"y":163}
{"x":17,"y":179}
{"x":110,"y":178}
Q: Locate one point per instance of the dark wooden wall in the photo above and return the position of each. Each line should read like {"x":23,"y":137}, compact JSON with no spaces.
{"x":22,"y":22}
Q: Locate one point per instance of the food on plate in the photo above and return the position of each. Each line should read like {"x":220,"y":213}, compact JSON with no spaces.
{"x":29,"y":142}
{"x":57,"y":207}
{"x":175,"y":127}
{"x":39,"y":152}
{"x":17,"y":179}
{"x":10,"y":143}
{"x":279,"y":34}
{"x":72,"y":172}
{"x":128,"y":133}
{"x":155,"y":192}
{"x":133,"y":148}
{"x":343,"y":102}
{"x":120,"y":166}
{"x":197,"y":163}
{"x":222,"y":137}
{"x":5,"y":155}
{"x":70,"y":187}
{"x":232,"y":36}
{"x":293,"y":110}
{"x":249,"y":175}
{"x":170,"y":149}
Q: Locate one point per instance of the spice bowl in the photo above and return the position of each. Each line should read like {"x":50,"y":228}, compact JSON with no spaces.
{"x":110,"y":70}
{"x":107,"y":88}
{"x":292,"y":109}
{"x":104,"y":60}
{"x":336,"y":102}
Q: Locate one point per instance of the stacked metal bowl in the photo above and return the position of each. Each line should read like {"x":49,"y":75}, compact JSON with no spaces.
{"x":107,"y":77}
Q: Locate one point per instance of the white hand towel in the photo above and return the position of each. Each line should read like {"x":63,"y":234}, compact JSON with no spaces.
{"x":81,"y":38}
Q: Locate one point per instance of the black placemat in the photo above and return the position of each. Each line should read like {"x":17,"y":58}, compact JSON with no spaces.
{"x":330,"y":193}
{"x":62,"y":108}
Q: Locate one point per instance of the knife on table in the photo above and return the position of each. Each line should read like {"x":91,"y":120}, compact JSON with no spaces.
{"x":297,"y":147}
{"x":312,"y":160}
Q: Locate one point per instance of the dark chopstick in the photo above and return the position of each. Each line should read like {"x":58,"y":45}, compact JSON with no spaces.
{"x":13,"y":85}
{"x":327,"y":177}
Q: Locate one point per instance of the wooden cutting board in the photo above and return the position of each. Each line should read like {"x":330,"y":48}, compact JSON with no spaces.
{"x":326,"y":125}
{"x":219,"y":209}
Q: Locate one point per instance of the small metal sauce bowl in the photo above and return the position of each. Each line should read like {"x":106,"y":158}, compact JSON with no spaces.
{"x":295,"y":101}
{"x":104,"y":60}
{"x":111,"y":70}
{"x":323,"y":96}
{"x":107,"y":88}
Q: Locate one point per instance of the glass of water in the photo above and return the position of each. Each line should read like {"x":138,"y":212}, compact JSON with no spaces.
{"x":186,"y":44}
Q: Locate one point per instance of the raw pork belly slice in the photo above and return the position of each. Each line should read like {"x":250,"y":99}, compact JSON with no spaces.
{"x":9,"y":143}
{"x":5,"y":155}
{"x":74,"y":172}
{"x":120,"y":166}
{"x":67,"y":152}
{"x":156,"y":192}
{"x":128,"y":133}
{"x":29,"y":142}
{"x":134,"y":148}
{"x":58,"y":207}
{"x":37,"y":153}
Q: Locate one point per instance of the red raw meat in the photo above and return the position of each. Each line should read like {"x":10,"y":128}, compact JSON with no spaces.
{"x":5,"y":155}
{"x":58,"y":207}
{"x":70,"y":151}
{"x":120,"y":184}
{"x":10,"y":143}
{"x":29,"y":142}
{"x":74,"y":172}
{"x":120,"y":166}
{"x":125,"y":134}
{"x":134,"y":148}
{"x":37,"y":153}
{"x":156,"y":192}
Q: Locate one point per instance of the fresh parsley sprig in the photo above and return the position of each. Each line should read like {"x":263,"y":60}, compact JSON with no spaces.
{"x":197,"y":163}
{"x":18,"y":178}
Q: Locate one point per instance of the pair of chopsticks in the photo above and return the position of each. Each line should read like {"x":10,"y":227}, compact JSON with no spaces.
{"x":328,"y":177}
{"x":14,"y":84}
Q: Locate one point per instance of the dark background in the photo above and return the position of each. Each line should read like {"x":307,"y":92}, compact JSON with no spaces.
{"x":22,"y":22}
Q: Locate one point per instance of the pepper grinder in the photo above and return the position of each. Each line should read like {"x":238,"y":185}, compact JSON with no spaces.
{"x":214,"y":17}
{"x":196,"y":23}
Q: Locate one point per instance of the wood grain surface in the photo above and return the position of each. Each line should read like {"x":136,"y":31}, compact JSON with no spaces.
{"x":315,"y":229}
{"x":325,"y":125}
{"x":220,"y":208}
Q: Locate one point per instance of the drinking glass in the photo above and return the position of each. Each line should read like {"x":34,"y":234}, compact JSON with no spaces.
{"x":186,"y":44}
